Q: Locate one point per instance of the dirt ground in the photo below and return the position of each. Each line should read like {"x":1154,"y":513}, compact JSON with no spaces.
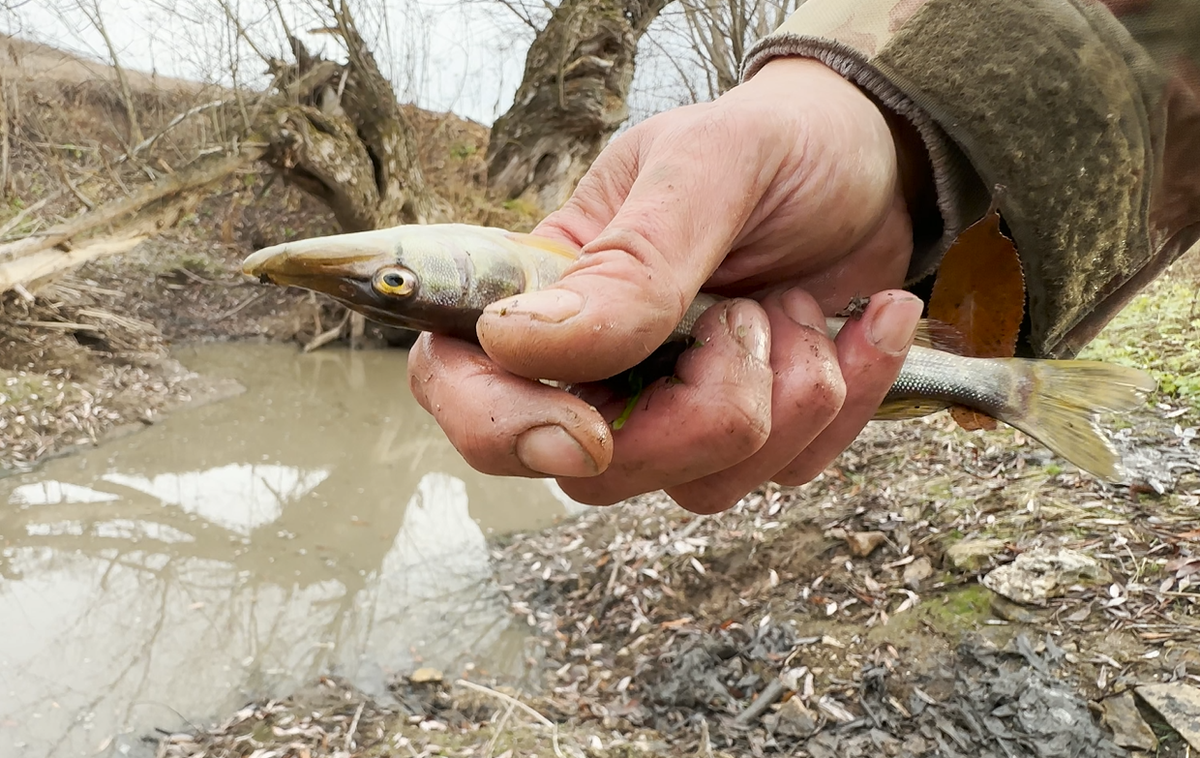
{"x":862,"y":614}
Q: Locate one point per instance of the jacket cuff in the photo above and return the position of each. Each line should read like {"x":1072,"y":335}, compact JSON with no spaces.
{"x":962,"y":196}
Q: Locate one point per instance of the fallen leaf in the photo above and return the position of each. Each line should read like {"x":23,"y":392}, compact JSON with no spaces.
{"x":1183,"y":567}
{"x":980,"y":291}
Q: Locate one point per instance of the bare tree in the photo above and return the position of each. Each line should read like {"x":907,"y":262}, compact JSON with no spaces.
{"x":571,"y":100}
{"x":721,"y":32}
{"x":347,"y":141}
{"x":91,"y":9}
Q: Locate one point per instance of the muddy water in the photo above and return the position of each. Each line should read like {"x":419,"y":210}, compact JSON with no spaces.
{"x":317,"y":522}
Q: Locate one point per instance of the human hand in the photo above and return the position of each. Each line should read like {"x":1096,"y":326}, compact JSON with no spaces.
{"x":787,"y":188}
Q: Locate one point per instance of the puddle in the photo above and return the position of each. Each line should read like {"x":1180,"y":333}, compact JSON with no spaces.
{"x":319,"y":522}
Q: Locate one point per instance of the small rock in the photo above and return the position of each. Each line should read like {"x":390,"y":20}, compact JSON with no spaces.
{"x":1041,"y":574}
{"x":917,"y":571}
{"x":972,"y":555}
{"x":425,"y":675}
{"x":1179,"y":705}
{"x":1129,"y":729}
{"x":793,"y":719}
{"x":1006,"y":609}
{"x":863,"y":544}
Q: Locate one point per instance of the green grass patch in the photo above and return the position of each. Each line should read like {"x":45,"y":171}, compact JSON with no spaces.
{"x":1159,"y":331}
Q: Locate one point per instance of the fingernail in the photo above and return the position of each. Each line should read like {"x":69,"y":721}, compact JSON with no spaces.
{"x":551,"y":306}
{"x":892,"y":328}
{"x":748,"y":327}
{"x":550,"y":450}
{"x":802,"y":308}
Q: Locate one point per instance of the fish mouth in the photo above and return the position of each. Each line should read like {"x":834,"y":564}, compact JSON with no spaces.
{"x":340,"y":266}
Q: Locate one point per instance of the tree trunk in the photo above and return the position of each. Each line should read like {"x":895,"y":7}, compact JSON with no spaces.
{"x":345,"y":139}
{"x":571,"y":101}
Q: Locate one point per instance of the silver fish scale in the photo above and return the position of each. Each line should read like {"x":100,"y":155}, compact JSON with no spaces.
{"x":982,"y":383}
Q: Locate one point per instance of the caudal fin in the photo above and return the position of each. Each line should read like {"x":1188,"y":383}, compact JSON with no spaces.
{"x":1064,"y":405}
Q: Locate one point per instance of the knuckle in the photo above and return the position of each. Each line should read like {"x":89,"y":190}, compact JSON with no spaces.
{"x":643,"y":267}
{"x":743,"y":421}
{"x":818,"y":391}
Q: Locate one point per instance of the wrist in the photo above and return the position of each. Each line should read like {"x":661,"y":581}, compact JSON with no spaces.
{"x":914,"y":169}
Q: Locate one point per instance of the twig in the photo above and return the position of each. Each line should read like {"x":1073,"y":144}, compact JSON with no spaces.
{"x":5,"y":146}
{"x":242,"y":306}
{"x":705,"y":748}
{"x":62,"y":172}
{"x":765,"y":699}
{"x":96,"y":18}
{"x":513,"y":701}
{"x":324,"y":338}
{"x":499,"y":729}
{"x":23,"y":293}
{"x":66,"y":326}
{"x":189,"y":274}
{"x":179,"y":119}
{"x":354,"y":725}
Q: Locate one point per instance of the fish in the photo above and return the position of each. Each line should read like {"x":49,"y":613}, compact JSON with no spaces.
{"x":439,"y":278}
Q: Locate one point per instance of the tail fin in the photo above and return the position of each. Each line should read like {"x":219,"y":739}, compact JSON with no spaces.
{"x":1064,"y":404}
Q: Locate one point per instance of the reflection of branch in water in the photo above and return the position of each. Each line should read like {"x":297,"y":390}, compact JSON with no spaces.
{"x":62,"y":699}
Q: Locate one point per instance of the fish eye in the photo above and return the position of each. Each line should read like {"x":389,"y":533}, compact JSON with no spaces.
{"x":396,"y":281}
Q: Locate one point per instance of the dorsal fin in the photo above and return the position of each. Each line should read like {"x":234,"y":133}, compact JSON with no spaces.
{"x":557,"y":247}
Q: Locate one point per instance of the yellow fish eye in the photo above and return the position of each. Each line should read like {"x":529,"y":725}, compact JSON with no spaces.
{"x":396,"y":281}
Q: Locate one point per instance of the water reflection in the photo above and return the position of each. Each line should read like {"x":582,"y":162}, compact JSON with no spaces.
{"x":318,"y":522}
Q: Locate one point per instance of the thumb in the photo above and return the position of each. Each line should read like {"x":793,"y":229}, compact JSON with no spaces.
{"x":675,"y":196}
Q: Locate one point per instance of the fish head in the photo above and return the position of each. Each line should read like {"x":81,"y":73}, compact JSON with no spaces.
{"x":397,"y":276}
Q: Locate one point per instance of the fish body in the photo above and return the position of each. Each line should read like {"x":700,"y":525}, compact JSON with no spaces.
{"x":440,"y":277}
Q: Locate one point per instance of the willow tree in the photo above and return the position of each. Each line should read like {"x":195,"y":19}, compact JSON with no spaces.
{"x":572,"y":99}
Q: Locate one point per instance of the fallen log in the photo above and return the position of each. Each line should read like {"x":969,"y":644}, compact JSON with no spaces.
{"x":34,"y":260}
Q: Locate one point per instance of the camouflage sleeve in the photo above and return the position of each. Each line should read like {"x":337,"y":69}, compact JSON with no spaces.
{"x":1086,"y":114}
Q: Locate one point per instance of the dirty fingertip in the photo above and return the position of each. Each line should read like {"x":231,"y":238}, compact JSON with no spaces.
{"x":893,"y":325}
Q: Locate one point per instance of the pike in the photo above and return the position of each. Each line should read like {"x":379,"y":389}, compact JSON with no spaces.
{"x":440,"y":277}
